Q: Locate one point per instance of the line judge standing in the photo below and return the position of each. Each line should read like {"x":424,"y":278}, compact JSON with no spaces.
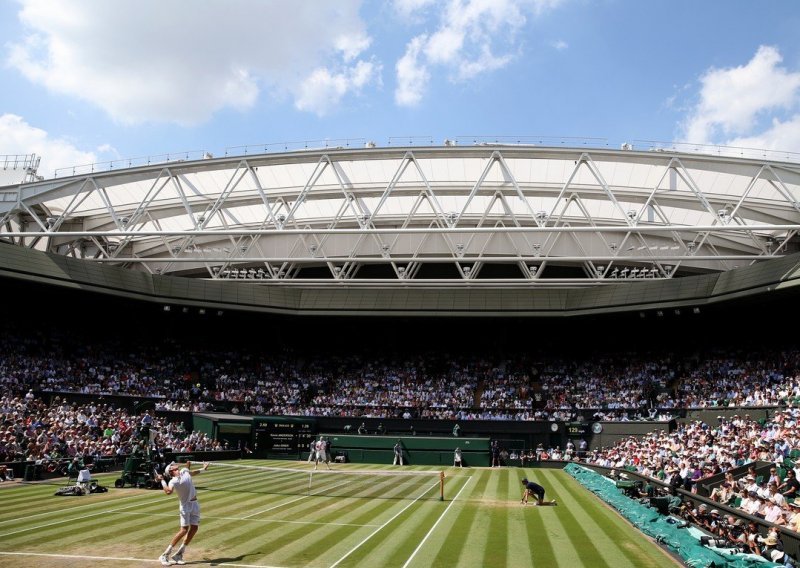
{"x":398,"y":453}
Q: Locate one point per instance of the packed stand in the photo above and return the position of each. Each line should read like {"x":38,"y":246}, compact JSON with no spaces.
{"x":459,"y":386}
{"x":52,"y":434}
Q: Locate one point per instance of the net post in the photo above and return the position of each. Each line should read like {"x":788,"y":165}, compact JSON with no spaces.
{"x":441,"y":486}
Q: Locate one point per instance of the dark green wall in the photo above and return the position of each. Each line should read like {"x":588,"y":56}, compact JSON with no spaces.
{"x":417,"y":450}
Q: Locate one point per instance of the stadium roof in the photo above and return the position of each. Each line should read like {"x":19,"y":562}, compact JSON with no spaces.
{"x":483,"y":215}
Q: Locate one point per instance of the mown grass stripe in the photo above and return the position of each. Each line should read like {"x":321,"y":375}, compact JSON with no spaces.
{"x":585,"y":512}
{"x":496,"y":546}
{"x":46,"y":509}
{"x":284,"y":542}
{"x":56,"y":525}
{"x":460,"y":530}
{"x":434,"y":527}
{"x":633,"y":544}
{"x":376,"y":531}
{"x":461,"y":535}
{"x":486,"y":517}
{"x":408,"y":532}
{"x":583,"y":543}
{"x":82,"y":530}
{"x":326,"y":509}
{"x":391,"y":547}
{"x":531,"y":522}
{"x":446,"y":535}
{"x":382,"y":544}
{"x":520,"y":552}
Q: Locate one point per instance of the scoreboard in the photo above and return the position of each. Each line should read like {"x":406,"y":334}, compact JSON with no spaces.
{"x":283,"y":435}
{"x":577,"y":429}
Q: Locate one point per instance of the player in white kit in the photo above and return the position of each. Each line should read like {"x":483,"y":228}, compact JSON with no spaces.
{"x":322,"y":453}
{"x":181,"y":483}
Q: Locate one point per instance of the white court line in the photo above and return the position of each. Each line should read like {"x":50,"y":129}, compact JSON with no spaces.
{"x":413,"y":554}
{"x":376,"y":531}
{"x":61,"y":522}
{"x":274,"y":507}
{"x":205,"y":517}
{"x":106,"y":511}
{"x":106,"y":501}
{"x":288,"y":502}
{"x":62,"y":510}
{"x":128,"y":559}
{"x":159,"y":495}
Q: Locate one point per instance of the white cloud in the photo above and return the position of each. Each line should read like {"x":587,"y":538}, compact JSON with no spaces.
{"x":734,"y":100}
{"x":412,"y":76}
{"x":473,"y":37}
{"x":445,"y":45}
{"x":322,"y":90}
{"x":560,"y":45}
{"x":410,"y":8}
{"x":19,"y":137}
{"x":149,"y":60}
{"x":353,"y":45}
{"x":781,"y":135}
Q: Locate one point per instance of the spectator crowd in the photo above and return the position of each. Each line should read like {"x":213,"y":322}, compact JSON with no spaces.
{"x":459,"y":386}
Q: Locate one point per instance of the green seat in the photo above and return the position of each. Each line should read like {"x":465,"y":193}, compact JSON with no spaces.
{"x":760,"y":479}
{"x":789,"y":464}
{"x":794,"y":454}
{"x":737,"y":502}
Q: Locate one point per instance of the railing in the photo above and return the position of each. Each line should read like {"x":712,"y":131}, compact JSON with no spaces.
{"x":133,"y":162}
{"x":419,"y":141}
{"x":297,"y":145}
{"x":716,"y":150}
{"x":18,"y":161}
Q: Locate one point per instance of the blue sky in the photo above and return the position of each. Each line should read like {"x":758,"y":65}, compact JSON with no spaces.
{"x":89,"y":81}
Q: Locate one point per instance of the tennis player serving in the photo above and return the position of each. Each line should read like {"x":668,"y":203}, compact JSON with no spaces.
{"x":180,"y":481}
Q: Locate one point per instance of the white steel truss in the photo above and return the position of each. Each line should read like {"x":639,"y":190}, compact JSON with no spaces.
{"x":418,"y":216}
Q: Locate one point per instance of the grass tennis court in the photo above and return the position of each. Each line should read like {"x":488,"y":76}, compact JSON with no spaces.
{"x":257,"y":518}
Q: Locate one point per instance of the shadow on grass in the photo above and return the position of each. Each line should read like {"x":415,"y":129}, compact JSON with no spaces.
{"x":218,"y":561}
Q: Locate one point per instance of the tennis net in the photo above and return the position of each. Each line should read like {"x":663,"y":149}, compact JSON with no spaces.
{"x":372,"y":484}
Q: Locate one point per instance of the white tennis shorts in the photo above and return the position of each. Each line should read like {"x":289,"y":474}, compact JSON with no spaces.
{"x":190,"y":514}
